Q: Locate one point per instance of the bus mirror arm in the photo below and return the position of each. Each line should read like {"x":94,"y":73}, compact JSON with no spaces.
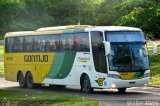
{"x":107,"y":47}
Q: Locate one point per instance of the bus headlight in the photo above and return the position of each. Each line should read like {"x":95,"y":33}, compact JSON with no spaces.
{"x":114,"y":76}
{"x":146,"y":75}
{"x":113,"y":86}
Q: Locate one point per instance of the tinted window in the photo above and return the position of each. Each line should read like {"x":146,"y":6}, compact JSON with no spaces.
{"x":9,"y":44}
{"x":18,"y":44}
{"x":67,"y":42}
{"x":28,"y":44}
{"x":52,"y":43}
{"x":82,"y":41}
{"x":98,"y":52}
{"x":97,"y":39}
{"x":49,"y":43}
{"x":39,"y":43}
{"x":122,"y":36}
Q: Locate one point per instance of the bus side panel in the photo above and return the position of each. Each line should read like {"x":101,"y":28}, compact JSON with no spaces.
{"x":36,"y":63}
{"x":10,"y":72}
{"x":74,"y":64}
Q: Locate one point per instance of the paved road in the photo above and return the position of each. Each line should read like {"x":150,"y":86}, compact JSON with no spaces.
{"x":142,"y":96}
{"x":1,"y":42}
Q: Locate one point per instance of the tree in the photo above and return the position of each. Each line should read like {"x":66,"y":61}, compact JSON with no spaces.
{"x":144,"y":16}
{"x":9,"y":10}
{"x":62,"y":11}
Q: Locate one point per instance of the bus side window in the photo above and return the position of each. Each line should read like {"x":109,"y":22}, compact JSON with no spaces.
{"x":82,"y":42}
{"x":39,"y":44}
{"x":28,"y":44}
{"x":67,"y":42}
{"x":18,"y":44}
{"x":52,"y":43}
{"x":9,"y":45}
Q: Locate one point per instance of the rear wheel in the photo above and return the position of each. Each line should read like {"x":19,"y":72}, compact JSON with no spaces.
{"x":29,"y":81}
{"x":21,"y":80}
{"x":87,"y":85}
{"x":121,"y":90}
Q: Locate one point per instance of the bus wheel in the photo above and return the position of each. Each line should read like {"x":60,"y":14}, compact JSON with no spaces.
{"x":21,"y":80}
{"x":121,"y":90}
{"x":29,"y":80}
{"x":87,"y":85}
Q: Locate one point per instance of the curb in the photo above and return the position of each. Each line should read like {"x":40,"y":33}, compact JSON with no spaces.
{"x":155,"y":86}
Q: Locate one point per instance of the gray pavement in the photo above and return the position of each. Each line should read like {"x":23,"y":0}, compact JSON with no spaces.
{"x":1,"y":42}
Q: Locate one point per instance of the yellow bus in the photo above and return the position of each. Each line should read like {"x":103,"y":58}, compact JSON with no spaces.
{"x":87,"y":56}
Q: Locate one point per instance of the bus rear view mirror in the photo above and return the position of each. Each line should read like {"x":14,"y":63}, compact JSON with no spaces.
{"x":107,"y":47}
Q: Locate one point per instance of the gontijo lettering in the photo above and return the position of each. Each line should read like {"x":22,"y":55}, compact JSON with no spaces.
{"x":36,"y":58}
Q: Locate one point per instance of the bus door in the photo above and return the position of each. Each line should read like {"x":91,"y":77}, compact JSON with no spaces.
{"x":98,"y":52}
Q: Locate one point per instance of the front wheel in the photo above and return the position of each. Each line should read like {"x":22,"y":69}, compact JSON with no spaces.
{"x":87,"y":85}
{"x":121,"y":90}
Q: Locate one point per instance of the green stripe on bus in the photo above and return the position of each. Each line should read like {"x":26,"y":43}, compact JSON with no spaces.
{"x":67,"y":65}
{"x":138,"y":74}
{"x":58,"y":64}
{"x":61,"y":65}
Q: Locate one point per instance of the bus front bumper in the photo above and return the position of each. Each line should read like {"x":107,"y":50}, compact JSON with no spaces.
{"x":119,"y":83}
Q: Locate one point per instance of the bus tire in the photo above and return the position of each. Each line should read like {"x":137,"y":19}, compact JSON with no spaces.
{"x":29,"y":80}
{"x":87,"y":85}
{"x":21,"y":80}
{"x":121,"y":90}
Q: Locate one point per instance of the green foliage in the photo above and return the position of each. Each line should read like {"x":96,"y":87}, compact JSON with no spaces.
{"x":144,"y":15}
{"x":62,"y":11}
{"x":1,"y":37}
{"x":155,"y":66}
{"x":9,"y":10}
{"x":17,"y":15}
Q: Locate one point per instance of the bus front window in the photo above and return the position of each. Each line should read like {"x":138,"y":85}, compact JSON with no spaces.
{"x":139,"y":57}
{"x":128,"y":57}
{"x":120,"y":58}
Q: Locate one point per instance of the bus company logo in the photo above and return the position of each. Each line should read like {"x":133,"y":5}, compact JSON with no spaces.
{"x":36,"y":58}
{"x":100,"y":81}
{"x":81,"y":59}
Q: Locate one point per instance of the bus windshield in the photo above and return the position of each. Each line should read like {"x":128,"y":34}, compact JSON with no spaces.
{"x":127,"y":55}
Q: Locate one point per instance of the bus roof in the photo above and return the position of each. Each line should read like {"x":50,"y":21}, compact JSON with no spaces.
{"x":64,"y":27}
{"x":25,"y":33}
{"x":71,"y":29}
{"x":112,"y":28}
{"x":90,"y":28}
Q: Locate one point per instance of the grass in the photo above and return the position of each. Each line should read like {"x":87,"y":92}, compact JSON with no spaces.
{"x":18,"y":98}
{"x":1,"y":37}
{"x":1,"y":61}
{"x":155,"y":69}
{"x":154,"y":64}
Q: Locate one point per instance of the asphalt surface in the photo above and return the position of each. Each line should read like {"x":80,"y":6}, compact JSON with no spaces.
{"x":1,"y":42}
{"x":139,"y":96}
